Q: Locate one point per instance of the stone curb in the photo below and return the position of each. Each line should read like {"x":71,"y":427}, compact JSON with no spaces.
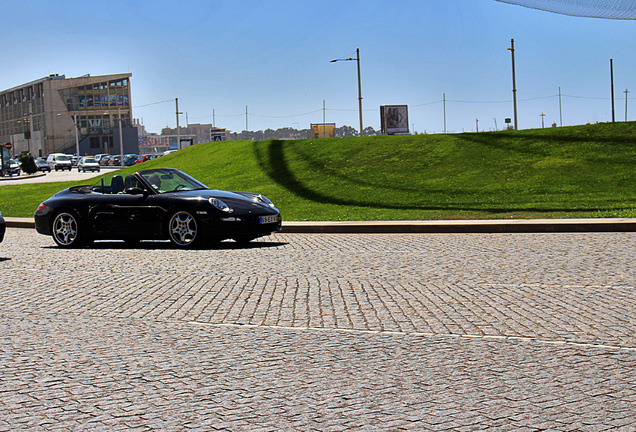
{"x":455,"y":226}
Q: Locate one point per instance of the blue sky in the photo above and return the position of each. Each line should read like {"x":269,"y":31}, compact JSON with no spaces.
{"x":273,"y":57}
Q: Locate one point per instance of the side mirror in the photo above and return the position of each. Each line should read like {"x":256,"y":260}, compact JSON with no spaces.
{"x":136,"y":191}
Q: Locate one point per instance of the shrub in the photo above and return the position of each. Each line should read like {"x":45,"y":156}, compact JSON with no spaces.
{"x":28,"y":163}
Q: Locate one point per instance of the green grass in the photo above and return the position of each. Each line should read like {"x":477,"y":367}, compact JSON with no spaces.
{"x":579,"y":171}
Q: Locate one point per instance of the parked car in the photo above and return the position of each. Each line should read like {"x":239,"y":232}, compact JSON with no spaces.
{"x":162,"y":203}
{"x":73,"y":159}
{"x":98,"y":158}
{"x":12,"y":167}
{"x":143,"y":158}
{"x":129,"y":159}
{"x":87,"y":163}
{"x":3,"y":227}
{"x":42,"y":165}
{"x":59,"y":161}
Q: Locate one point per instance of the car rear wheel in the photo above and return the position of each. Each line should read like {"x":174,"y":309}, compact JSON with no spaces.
{"x":183,"y":229}
{"x":67,"y":231}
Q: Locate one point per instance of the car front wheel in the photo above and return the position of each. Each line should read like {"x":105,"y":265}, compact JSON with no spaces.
{"x":67,"y":231}
{"x":183,"y":229}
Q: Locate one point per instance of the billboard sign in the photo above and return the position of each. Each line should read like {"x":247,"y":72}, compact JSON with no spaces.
{"x":323,"y":130}
{"x":394,"y":119}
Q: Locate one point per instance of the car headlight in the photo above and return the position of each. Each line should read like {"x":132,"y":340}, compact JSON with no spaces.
{"x":262,"y":199}
{"x":220,"y":205}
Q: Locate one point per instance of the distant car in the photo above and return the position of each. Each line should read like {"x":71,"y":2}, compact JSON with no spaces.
{"x":129,"y":159}
{"x":59,"y":161}
{"x":143,"y":158}
{"x":12,"y":167}
{"x":3,"y":227}
{"x":87,"y":163}
{"x":42,"y":165}
{"x":159,"y":204}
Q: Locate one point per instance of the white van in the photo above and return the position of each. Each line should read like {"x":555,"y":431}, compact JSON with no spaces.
{"x":59,"y":161}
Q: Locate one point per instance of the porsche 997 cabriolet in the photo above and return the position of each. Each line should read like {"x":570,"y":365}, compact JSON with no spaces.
{"x":155,"y":204}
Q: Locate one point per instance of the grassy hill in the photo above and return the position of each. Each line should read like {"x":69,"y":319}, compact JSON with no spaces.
{"x":579,"y":171}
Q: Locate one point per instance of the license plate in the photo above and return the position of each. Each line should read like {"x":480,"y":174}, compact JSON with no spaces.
{"x":268,"y":219}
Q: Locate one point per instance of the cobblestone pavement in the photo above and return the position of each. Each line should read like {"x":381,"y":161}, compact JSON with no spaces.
{"x":328,"y":332}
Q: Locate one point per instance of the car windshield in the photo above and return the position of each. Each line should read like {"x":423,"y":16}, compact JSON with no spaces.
{"x":62,"y":158}
{"x":89,"y":160}
{"x":171,"y":180}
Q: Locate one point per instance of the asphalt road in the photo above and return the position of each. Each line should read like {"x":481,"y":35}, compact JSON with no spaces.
{"x":457,"y":332}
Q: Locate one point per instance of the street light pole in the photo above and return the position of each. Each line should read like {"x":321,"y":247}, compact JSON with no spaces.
{"x":514,"y":83}
{"x":357,"y":59}
{"x":76,"y":136}
{"x":121,"y":140}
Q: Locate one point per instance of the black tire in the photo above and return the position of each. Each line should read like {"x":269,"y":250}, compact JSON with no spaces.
{"x":67,"y":230}
{"x":183,"y":229}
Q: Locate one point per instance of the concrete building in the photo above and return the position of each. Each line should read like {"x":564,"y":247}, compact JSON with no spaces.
{"x":58,"y":114}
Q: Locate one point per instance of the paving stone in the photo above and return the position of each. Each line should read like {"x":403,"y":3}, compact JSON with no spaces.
{"x":320,"y":332}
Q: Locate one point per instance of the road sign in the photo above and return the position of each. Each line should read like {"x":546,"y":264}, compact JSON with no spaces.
{"x":8,"y":146}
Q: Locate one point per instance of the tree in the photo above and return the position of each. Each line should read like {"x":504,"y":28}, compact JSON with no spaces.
{"x":27,"y":162}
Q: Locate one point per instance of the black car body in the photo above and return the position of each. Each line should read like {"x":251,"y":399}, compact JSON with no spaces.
{"x":155,"y":204}
{"x":3,"y":227}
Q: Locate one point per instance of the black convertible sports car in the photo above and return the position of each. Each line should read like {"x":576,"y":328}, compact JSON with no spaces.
{"x":155,"y":204}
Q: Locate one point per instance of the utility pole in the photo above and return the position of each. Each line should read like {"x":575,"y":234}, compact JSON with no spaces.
{"x":542,"y":117}
{"x":626,"y":91}
{"x":359,"y":91}
{"x":560,"y":111}
{"x":612,"y":85}
{"x":323,"y":115}
{"x":514,"y":83}
{"x":444,"y":104}
{"x":476,"y":125}
{"x":176,"y":100}
{"x":245,"y":118}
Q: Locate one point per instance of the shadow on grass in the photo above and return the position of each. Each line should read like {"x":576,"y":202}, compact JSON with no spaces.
{"x":271,"y":160}
{"x":522,"y":142}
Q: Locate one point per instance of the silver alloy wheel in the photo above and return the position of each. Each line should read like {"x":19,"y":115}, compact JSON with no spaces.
{"x":65,"y":229}
{"x":182,"y":228}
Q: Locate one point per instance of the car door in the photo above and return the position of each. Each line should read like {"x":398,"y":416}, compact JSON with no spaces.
{"x":126,"y":215}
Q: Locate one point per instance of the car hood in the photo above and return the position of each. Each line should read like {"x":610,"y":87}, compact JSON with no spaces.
{"x":237,"y":201}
